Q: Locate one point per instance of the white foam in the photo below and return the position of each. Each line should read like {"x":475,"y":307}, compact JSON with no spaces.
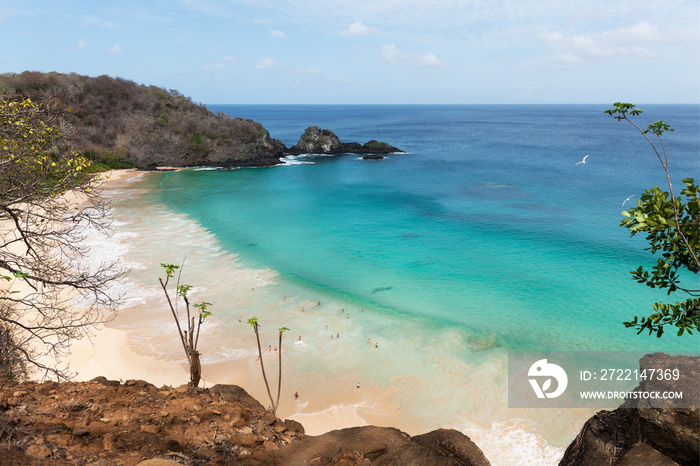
{"x":292,"y":160}
{"x":513,"y":443}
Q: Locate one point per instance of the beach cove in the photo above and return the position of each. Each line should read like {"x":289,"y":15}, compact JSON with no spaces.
{"x":141,"y":342}
{"x":429,"y":368}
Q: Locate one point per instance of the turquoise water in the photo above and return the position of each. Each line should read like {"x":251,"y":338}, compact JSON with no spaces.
{"x":486,"y":223}
{"x":483,"y":237}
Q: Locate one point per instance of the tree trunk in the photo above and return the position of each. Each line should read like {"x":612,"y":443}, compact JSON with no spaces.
{"x":195,"y":369}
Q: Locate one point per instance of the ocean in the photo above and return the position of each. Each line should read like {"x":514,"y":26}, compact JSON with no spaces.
{"x":413,"y":276}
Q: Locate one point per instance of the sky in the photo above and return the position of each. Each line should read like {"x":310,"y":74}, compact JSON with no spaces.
{"x":369,"y":51}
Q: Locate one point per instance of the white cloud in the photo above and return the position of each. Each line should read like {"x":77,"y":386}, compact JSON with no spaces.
{"x":430,"y":61}
{"x":265,"y":64}
{"x":392,"y":55}
{"x":277,"y":34}
{"x":632,"y":42}
{"x":357,"y":28}
{"x":229,"y":58}
{"x":115,"y":50}
{"x":81,"y":45}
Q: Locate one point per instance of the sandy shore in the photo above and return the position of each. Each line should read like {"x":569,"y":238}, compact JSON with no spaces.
{"x":112,"y":353}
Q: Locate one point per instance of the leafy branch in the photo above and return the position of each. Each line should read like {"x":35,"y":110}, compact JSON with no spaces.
{"x":671,"y":226}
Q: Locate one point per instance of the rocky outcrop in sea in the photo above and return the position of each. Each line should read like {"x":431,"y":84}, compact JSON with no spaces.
{"x":324,"y":141}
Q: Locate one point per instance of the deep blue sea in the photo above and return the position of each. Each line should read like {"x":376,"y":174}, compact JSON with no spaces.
{"x":484,"y":236}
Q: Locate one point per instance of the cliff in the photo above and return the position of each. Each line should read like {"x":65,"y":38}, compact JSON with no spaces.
{"x":123,"y":124}
{"x":120,"y":122}
{"x":104,"y":422}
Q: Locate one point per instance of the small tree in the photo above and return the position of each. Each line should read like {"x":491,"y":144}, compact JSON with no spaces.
{"x":274,"y":404}
{"x":671,"y":226}
{"x":41,"y":242}
{"x":194,"y":318}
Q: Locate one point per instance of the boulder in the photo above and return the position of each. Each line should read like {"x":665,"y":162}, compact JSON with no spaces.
{"x":376,"y":445}
{"x":636,"y":432}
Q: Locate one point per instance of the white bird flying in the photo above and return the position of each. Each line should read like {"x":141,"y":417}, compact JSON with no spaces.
{"x":582,"y":161}
{"x":623,"y":204}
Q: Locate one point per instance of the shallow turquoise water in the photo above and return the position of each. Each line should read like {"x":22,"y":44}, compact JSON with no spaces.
{"x":486,"y":223}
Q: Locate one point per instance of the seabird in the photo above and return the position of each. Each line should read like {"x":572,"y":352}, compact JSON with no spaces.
{"x":582,"y":161}
{"x":623,"y":204}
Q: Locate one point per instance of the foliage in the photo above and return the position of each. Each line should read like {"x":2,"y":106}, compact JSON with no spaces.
{"x":144,"y":124}
{"x":41,"y":240}
{"x":194,"y":318}
{"x":273,"y":404}
{"x":671,"y":227}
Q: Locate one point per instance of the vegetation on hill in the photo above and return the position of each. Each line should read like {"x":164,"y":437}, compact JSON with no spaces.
{"x":119,"y":123}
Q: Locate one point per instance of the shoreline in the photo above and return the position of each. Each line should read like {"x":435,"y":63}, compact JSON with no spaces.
{"x":142,"y":343}
{"x":111,"y":352}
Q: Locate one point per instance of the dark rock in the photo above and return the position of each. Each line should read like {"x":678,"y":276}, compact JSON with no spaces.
{"x":452,"y":443}
{"x":373,"y":157}
{"x":376,"y":445}
{"x":378,"y":147}
{"x":137,"y":383}
{"x":323,"y":141}
{"x":174,"y":445}
{"x":673,"y":434}
{"x":646,"y":455}
{"x":103,"y":380}
{"x":317,"y":141}
{"x":237,"y":394}
{"x":294,"y":426}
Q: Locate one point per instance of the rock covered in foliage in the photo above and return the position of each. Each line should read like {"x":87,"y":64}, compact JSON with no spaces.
{"x":125,"y":124}
{"x":636,"y":433}
{"x":324,"y":141}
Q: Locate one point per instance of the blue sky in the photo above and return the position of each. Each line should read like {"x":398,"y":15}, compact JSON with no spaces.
{"x":369,"y":51}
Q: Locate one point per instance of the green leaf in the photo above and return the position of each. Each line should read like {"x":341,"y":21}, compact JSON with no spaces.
{"x":182,"y":290}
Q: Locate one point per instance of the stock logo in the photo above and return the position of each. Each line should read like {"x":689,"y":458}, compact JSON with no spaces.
{"x":541,"y":369}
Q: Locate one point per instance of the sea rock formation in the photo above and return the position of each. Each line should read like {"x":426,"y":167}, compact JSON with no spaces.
{"x":637,"y":434}
{"x":324,"y":141}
